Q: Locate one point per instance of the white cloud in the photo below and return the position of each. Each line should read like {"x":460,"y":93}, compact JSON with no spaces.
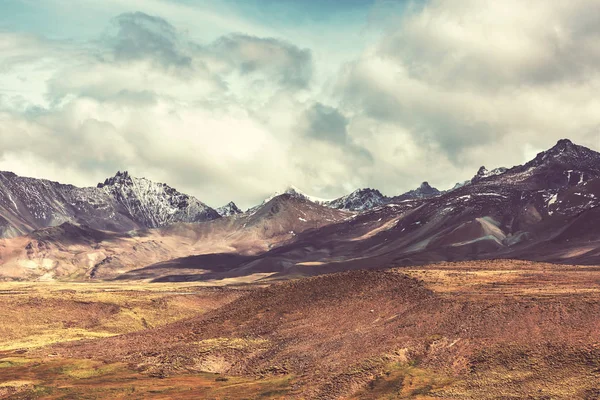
{"x":448,"y":87}
{"x":150,"y":100}
{"x":464,"y":79}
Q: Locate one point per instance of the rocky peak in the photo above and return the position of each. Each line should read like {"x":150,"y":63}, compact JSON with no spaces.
{"x":564,"y":148}
{"x":294,"y":192}
{"x":8,"y":174}
{"x":563,"y":144}
{"x":155,"y":204}
{"x":483,"y":172}
{"x":458,"y":185}
{"x":424,"y":191}
{"x":367,"y":192}
{"x":566,"y":152}
{"x":121,"y":203}
{"x":120,"y":178}
{"x":425,"y":186}
{"x":359,"y":200}
{"x":228,"y":209}
{"x":564,"y":164}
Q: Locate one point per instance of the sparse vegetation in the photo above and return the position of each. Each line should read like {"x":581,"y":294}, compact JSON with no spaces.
{"x":39,"y":314}
{"x":477,"y":330}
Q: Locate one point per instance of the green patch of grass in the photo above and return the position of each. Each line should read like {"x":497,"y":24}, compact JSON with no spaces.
{"x":81,"y":378}
{"x":86,"y":369}
{"x":9,"y":362}
{"x":404,"y":381}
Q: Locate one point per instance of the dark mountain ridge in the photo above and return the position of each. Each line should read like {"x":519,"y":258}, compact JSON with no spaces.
{"x":122,"y":203}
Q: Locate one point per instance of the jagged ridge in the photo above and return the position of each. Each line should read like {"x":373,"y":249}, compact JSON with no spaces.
{"x":121,"y":203}
{"x":228,"y":209}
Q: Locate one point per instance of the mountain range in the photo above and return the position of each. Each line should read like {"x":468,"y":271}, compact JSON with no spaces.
{"x":133,"y":228}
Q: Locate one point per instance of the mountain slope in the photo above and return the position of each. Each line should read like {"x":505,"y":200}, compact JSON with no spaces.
{"x":465,"y":331}
{"x":422,"y":192}
{"x":565,"y":164}
{"x":76,"y":252}
{"x":155,"y":204}
{"x":122,"y":203}
{"x":367,"y":199}
{"x":359,"y":200}
{"x":522,"y":212}
{"x":507,"y":215}
{"x":228,"y":209}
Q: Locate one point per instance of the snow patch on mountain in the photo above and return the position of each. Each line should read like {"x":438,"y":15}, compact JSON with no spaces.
{"x":155,"y":204}
{"x":228,"y":209}
{"x":121,"y":203}
{"x":483,"y":173}
{"x":359,"y":200}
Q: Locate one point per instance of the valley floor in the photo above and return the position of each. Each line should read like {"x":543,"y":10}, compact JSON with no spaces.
{"x":475,"y":330}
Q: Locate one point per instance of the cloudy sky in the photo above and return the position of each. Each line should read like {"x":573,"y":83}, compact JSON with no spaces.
{"x":235,"y":99}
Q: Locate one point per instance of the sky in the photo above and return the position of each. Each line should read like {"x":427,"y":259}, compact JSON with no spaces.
{"x":237,"y":99}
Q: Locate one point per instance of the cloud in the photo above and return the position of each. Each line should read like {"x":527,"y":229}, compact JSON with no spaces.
{"x":485,"y":43}
{"x":278,"y":60}
{"x":148,"y":99}
{"x":325,"y":123}
{"x":140,"y":36}
{"x":447,"y":87}
{"x":463,"y":79}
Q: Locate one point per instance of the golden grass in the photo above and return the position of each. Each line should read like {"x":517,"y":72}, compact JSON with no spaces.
{"x":35,"y":315}
{"x":73,"y":378}
{"x":508,"y":277}
{"x":42,"y":313}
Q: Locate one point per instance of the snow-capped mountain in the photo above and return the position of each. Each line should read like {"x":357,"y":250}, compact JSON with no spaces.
{"x":483,"y":173}
{"x":359,"y":200}
{"x":155,"y":204}
{"x":293,"y":192}
{"x":367,"y":199}
{"x":121,"y":203}
{"x":546,"y":209}
{"x":566,"y":153}
{"x":565,"y":164}
{"x":228,"y":209}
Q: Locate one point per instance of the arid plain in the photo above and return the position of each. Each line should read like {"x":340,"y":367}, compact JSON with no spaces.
{"x":468,"y":330}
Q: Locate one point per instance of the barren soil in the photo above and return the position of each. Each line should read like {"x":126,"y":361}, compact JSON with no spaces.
{"x":476,"y":330}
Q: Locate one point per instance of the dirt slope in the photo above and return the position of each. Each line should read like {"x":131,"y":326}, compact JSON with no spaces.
{"x":71,"y":252}
{"x":339,"y":333}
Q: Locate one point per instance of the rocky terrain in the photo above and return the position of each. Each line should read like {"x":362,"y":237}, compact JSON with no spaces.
{"x":477,"y":330}
{"x":76,"y":252}
{"x":359,"y":200}
{"x":228,"y":209}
